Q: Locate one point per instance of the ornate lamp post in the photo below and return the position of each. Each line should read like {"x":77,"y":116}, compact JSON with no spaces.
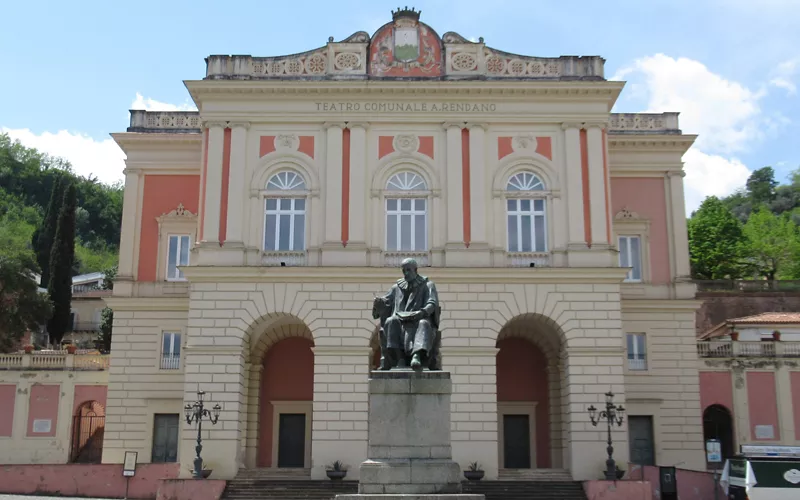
{"x":612,"y":415}
{"x":195,"y":413}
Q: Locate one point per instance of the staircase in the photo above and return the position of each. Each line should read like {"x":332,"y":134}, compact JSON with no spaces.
{"x":289,"y":484}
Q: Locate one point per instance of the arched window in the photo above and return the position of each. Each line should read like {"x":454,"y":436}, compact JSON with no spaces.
{"x":285,"y":212}
{"x":406,"y":213}
{"x":526,"y":207}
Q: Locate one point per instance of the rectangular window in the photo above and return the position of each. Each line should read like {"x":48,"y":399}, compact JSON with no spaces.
{"x":285,"y":226}
{"x":637,"y":352}
{"x":178,"y":255}
{"x":526,"y":226}
{"x":406,"y":224}
{"x":165,"y":438}
{"x":171,"y":351}
{"x":630,"y":255}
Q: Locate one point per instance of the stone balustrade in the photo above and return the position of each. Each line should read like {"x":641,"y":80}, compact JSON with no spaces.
{"x":56,"y":360}
{"x":747,"y":349}
{"x":644,"y":123}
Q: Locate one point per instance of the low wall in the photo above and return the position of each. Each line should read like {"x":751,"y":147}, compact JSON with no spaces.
{"x":85,"y":480}
{"x":190,"y":489}
{"x":618,"y":490}
{"x":692,"y":485}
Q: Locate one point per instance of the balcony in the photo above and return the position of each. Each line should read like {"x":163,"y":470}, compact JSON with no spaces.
{"x":283,"y":259}
{"x":56,"y":360}
{"x":394,"y":259}
{"x":174,"y":122}
{"x":170,"y":362}
{"x":747,"y":349}
{"x":528,"y":259}
{"x":638,"y":364}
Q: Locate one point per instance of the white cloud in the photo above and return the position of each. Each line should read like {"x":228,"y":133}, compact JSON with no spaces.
{"x":783,"y":75}
{"x":725,"y":114}
{"x":151,"y":104}
{"x":710,"y":175}
{"x":89,"y":157}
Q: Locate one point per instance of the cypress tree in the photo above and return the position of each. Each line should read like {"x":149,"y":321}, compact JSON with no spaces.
{"x":61,"y":260}
{"x":43,"y":236}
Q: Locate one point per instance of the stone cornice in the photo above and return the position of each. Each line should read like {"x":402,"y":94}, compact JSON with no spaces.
{"x":674,"y":305}
{"x":384,"y":276}
{"x":651,"y":142}
{"x":147,"y":303}
{"x":166,"y":140}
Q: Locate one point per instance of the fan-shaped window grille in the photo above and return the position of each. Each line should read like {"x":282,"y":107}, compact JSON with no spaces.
{"x":286,"y":181}
{"x":406,"y":181}
{"x":285,"y":216}
{"x":525,"y":181}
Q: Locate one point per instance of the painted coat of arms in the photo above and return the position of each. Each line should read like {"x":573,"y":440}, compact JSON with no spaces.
{"x":406,"y":47}
{"x":406,"y":43}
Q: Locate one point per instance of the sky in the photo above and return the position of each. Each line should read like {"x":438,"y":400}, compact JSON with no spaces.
{"x":71,"y":71}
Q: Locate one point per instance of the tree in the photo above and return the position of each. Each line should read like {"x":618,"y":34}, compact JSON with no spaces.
{"x":106,"y":326}
{"x":22,"y":306}
{"x":62,"y":258}
{"x":43,"y":237}
{"x":772,"y":242}
{"x":717,"y":245}
{"x":761,"y":185}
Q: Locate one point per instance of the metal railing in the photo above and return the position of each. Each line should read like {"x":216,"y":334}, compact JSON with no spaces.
{"x":747,"y":285}
{"x":637,"y":364}
{"x":170,"y":362}
{"x":747,"y":349}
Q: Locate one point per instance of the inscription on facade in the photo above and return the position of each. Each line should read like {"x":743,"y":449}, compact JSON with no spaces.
{"x":407,"y":107}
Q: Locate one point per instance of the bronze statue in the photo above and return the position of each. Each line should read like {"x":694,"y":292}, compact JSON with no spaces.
{"x":409,"y":322}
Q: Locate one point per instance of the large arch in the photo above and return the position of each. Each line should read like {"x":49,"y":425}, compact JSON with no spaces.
{"x":530,"y":374}
{"x":279,"y":392}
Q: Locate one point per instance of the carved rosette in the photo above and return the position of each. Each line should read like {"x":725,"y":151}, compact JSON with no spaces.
{"x":406,"y":143}
{"x":524,"y":143}
{"x":347,"y":61}
{"x":287,"y":142}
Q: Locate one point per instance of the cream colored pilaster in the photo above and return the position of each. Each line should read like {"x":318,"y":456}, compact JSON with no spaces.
{"x":574,"y":185}
{"x":236,"y":184}
{"x":478,"y":182}
{"x":680,"y":236}
{"x":783,"y":398}
{"x":358,"y":186}
{"x":333,"y":185}
{"x":597,"y":184}
{"x":453,"y":193}
{"x":130,"y":212}
{"x":213,"y":193}
{"x":741,"y":408}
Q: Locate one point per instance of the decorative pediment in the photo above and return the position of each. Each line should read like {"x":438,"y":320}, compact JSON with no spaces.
{"x":627,"y":214}
{"x":179,"y":212}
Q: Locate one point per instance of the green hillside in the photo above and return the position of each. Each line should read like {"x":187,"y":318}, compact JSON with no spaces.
{"x":26,"y":181}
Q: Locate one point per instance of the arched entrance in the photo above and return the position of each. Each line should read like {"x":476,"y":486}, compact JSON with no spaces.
{"x":718,"y":424}
{"x":88,"y":428}
{"x":280,"y":395}
{"x":529,"y":394}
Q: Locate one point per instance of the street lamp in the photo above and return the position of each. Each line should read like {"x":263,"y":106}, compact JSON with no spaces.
{"x":195,"y":413}
{"x":612,"y":415}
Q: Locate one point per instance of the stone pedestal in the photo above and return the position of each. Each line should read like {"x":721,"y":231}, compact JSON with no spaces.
{"x":409,"y":454}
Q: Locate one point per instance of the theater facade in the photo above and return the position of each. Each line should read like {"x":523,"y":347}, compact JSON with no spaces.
{"x":257,"y":231}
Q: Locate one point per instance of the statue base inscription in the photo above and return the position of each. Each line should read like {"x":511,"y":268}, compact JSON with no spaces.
{"x":409,"y":454}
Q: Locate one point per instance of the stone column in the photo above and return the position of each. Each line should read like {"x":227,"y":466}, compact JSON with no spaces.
{"x":332,"y":187}
{"x":597,"y":184}
{"x":680,"y":234}
{"x":236,"y":184}
{"x":574,"y":185}
{"x":213,"y":193}
{"x":130,"y":214}
{"x":358,"y":186}
{"x":220,"y":372}
{"x":453,"y":190}
{"x":477,"y":185}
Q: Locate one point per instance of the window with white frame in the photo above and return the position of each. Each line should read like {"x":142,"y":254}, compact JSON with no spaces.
{"x":285,"y":213}
{"x":406,"y":213}
{"x":177,"y":255}
{"x":170,"y":351}
{"x":637,"y":351}
{"x":526,"y":213}
{"x":630,"y":255}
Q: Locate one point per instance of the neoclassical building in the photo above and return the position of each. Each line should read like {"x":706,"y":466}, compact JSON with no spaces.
{"x":257,"y":231}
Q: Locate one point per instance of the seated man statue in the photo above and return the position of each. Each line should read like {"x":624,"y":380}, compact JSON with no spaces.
{"x":409,"y":315}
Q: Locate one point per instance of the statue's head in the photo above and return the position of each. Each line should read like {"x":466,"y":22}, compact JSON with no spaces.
{"x":409,"y":269}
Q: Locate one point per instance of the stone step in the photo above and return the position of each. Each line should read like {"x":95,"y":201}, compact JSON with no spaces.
{"x":534,"y":475}
{"x":309,"y":489}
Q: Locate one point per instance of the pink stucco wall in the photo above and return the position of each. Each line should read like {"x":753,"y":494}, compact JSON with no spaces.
{"x":716,"y":388}
{"x":8,"y":394}
{"x":762,"y":403}
{"x":647,"y":197}
{"x":795,"y":378}
{"x":692,"y":485}
{"x":190,"y":489}
{"x":86,"y":393}
{"x":617,"y":490}
{"x":84,"y":480}
{"x":43,"y":405}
